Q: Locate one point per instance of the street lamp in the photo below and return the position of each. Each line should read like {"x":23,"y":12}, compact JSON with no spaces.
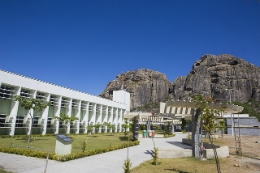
{"x":232,"y":129}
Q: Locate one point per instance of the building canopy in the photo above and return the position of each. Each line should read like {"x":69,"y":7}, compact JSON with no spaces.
{"x":185,"y":109}
{"x":140,"y":115}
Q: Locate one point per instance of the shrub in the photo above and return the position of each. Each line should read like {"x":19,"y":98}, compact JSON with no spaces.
{"x":127,"y":166}
{"x":189,"y":136}
{"x":155,"y":158}
{"x":167,"y":136}
{"x":63,"y":158}
{"x":84,"y":145}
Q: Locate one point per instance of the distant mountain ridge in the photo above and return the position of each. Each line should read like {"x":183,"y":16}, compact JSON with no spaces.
{"x":209,"y":76}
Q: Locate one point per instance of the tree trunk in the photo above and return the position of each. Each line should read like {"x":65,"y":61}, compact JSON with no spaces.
{"x":30,"y":130}
{"x":215,"y":152}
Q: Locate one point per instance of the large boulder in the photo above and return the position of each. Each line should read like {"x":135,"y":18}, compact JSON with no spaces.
{"x":212,"y":75}
{"x":144,"y":85}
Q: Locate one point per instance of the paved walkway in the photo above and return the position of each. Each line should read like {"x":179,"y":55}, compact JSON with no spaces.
{"x":110,"y":162}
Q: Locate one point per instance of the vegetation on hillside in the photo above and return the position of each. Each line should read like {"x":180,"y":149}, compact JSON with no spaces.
{"x":251,"y":107}
{"x":152,"y":106}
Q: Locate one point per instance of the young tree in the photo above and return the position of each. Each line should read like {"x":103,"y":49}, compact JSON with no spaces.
{"x":208,"y":120}
{"x":89,"y":128}
{"x":36,"y":105}
{"x":97,"y":126}
{"x":110,"y":126}
{"x":125,"y":125}
{"x":65,"y":118}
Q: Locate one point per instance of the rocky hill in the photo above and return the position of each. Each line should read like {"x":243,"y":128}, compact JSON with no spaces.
{"x":210,"y":76}
{"x":144,"y":85}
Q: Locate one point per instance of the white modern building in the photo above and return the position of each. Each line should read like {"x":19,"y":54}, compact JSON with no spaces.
{"x":90,"y":109}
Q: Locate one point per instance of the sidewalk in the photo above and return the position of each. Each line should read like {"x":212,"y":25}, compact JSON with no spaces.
{"x":111,"y":162}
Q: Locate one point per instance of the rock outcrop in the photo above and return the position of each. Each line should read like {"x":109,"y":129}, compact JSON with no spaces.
{"x":210,"y":76}
{"x":144,"y":85}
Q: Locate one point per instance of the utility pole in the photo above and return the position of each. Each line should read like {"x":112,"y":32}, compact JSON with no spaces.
{"x":232,"y":128}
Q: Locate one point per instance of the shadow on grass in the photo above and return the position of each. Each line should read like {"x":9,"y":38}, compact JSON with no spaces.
{"x":32,"y":139}
{"x":122,"y":138}
{"x":93,"y":136}
{"x":176,"y":170}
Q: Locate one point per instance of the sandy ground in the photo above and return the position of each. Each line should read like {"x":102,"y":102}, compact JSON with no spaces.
{"x":250,"y":149}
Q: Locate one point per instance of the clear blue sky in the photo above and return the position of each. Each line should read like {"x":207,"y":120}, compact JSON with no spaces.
{"x":84,"y":44}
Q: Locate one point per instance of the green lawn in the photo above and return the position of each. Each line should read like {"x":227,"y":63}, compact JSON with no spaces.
{"x":4,"y":171}
{"x":95,"y":141}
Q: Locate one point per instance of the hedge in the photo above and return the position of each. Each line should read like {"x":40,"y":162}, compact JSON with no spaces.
{"x":40,"y":135}
{"x":63,"y":158}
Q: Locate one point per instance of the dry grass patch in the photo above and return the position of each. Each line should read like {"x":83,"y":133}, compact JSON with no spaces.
{"x":190,"y":164}
{"x":248,"y":144}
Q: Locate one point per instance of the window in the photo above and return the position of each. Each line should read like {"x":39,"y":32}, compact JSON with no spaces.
{"x":24,"y":93}
{"x":73,"y":104}
{"x":5,"y":92}
{"x":60,"y":125}
{"x":49,"y":123}
{"x":52,"y":100}
{"x":19,"y":121}
{"x":63,"y":103}
{"x":2,"y":120}
{"x":40,"y":96}
{"x":35,"y":122}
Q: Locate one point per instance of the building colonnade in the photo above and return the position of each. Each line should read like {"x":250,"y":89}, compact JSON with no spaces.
{"x":89,"y":109}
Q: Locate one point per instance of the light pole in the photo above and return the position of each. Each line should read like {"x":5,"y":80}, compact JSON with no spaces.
{"x":232,"y":129}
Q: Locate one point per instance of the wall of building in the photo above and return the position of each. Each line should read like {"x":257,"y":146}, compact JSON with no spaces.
{"x":248,"y":126}
{"x":88,"y":108}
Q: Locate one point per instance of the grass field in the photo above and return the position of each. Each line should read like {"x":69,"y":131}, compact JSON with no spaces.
{"x":95,"y":141}
{"x":4,"y":171}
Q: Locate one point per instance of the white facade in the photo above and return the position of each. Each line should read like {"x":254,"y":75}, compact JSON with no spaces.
{"x":88,"y":108}
{"x":123,"y":97}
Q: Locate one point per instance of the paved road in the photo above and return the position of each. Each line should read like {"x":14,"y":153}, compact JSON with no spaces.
{"x":110,"y":162}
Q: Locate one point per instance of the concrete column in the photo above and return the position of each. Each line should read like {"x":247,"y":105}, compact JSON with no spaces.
{"x":116,"y":119}
{"x":106,"y":119}
{"x":14,"y":111}
{"x":85,"y":118}
{"x":44,"y":117}
{"x":94,"y":113}
{"x":120,"y":120}
{"x":56,"y":122}
{"x":29,"y":118}
{"x":78,"y":116}
{"x":197,"y":141}
{"x":112,"y":115}
{"x":100,"y":118}
{"x":93,"y":118}
{"x":69,"y":114}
